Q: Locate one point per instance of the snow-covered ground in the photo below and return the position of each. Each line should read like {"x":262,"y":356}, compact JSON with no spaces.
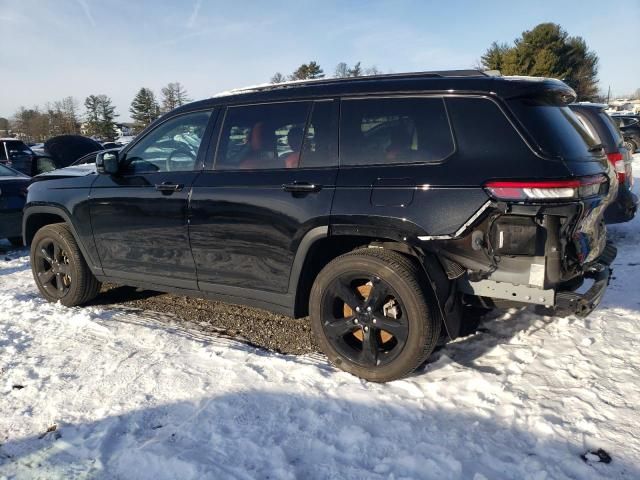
{"x":113,"y":393}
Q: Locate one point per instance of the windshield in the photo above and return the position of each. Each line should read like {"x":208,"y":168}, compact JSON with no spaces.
{"x":556,"y":129}
{"x":7,"y":172}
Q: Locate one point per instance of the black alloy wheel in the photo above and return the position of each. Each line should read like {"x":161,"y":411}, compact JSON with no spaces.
{"x":52,"y":267}
{"x":372,"y":315}
{"x":59,"y":269}
{"x":364,"y":319}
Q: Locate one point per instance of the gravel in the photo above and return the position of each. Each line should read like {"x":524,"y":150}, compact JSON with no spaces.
{"x":263,"y":329}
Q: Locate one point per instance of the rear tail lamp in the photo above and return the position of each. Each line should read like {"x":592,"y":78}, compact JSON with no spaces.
{"x":617,"y":160}
{"x":547,"y":189}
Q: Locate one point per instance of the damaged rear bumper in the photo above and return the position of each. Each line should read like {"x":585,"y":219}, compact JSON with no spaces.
{"x":550,"y":301}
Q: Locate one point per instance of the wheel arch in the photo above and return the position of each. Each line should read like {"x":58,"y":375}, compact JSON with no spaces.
{"x":37,"y":216}
{"x":320,"y":247}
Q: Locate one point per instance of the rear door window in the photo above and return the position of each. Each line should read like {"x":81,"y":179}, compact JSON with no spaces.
{"x":555,"y":128}
{"x":394,"y":131}
{"x":267,"y":136}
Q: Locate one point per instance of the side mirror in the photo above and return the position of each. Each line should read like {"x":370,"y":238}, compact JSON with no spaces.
{"x":108,"y":162}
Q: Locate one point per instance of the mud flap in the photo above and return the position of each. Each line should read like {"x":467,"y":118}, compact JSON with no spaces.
{"x":443,"y":292}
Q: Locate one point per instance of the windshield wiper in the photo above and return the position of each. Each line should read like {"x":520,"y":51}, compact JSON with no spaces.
{"x":596,"y":147}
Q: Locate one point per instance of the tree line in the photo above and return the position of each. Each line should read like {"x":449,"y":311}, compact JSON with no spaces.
{"x":312,"y":70}
{"x":98,"y":119}
{"x":546,"y":50}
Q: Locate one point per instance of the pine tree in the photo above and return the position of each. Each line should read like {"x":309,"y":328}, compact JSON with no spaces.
{"x":100,"y":117}
{"x":174,"y":95}
{"x":107,"y":115}
{"x":92,"y":117}
{"x":548,"y":51}
{"x":355,"y":71}
{"x":493,"y":57}
{"x":144,"y":108}
{"x":306,"y":71}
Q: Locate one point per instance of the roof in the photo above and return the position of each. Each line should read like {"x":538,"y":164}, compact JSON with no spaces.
{"x":448,"y":81}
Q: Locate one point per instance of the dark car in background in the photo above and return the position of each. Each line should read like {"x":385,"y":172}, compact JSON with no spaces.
{"x":629,"y":125}
{"x":603,"y":129}
{"x":13,"y":194}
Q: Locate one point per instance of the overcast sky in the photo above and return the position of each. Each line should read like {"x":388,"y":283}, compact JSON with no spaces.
{"x":52,"y":49}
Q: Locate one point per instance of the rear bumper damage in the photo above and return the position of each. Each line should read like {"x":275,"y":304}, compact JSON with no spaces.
{"x":550,"y":301}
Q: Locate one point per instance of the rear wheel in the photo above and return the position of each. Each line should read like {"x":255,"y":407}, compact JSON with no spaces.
{"x":370,"y":314}
{"x":59,"y":270}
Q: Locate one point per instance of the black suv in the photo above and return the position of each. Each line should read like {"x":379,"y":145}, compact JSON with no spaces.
{"x":602,"y":127}
{"x":630,"y":127}
{"x":383,"y":207}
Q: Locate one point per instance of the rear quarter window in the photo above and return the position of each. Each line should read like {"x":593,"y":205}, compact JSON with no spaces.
{"x":555,"y":128}
{"x":394,"y":131}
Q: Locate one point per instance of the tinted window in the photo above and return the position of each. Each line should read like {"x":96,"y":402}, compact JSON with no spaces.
{"x":171,"y":147}
{"x":18,"y":149}
{"x":484,"y":134}
{"x":611,"y":127}
{"x":388,"y":131}
{"x":262,"y":136}
{"x":7,"y":172}
{"x":555,"y":128}
{"x":320,"y":145}
{"x":3,"y":155}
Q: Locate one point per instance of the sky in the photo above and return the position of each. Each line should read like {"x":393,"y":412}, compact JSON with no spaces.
{"x":53,"y":49}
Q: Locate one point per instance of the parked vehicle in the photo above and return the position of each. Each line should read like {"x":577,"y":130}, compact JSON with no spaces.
{"x":13,"y":194}
{"x":605,"y":132}
{"x":13,"y":150}
{"x":446,"y":191}
{"x":58,"y":152}
{"x":630,"y":127}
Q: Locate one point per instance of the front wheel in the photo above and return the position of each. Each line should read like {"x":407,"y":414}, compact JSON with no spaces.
{"x":59,"y":269}
{"x":371,"y":316}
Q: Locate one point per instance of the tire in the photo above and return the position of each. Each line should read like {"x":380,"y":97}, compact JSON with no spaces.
{"x":393,"y":285}
{"x":15,"y":241}
{"x":59,"y":269}
{"x":631,"y":146}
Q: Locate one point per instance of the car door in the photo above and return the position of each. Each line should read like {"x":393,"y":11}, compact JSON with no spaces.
{"x":273,"y":181}
{"x":139,"y":216}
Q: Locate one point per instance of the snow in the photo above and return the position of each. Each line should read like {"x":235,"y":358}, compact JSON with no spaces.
{"x":110,"y":392}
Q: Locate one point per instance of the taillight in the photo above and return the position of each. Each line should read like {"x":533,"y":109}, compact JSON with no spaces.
{"x":547,"y":189}
{"x":617,"y":160}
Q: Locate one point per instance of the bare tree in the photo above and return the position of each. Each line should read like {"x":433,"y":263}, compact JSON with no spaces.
{"x":174,"y":95}
{"x":278,"y":78}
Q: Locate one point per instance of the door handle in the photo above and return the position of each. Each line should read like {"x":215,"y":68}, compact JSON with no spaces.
{"x":168,"y":187}
{"x":301,"y":187}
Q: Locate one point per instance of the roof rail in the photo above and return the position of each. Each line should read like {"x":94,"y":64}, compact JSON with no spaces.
{"x":324,"y":81}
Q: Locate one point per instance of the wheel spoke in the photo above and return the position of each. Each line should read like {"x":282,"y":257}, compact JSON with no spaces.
{"x":394,"y":327}
{"x":378,"y":294}
{"x":56,"y":251}
{"x":347,"y":294}
{"x":369,"y":354}
{"x":46,"y":277}
{"x":46,"y":255}
{"x":340,"y":327}
{"x":59,"y":282}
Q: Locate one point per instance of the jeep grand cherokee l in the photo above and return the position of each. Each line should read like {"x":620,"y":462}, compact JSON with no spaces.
{"x":382,"y":207}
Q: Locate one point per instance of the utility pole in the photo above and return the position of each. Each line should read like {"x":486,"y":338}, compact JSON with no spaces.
{"x":608,"y":94}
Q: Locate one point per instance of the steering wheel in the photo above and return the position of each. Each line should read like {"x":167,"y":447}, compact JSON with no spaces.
{"x":179,"y":150}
